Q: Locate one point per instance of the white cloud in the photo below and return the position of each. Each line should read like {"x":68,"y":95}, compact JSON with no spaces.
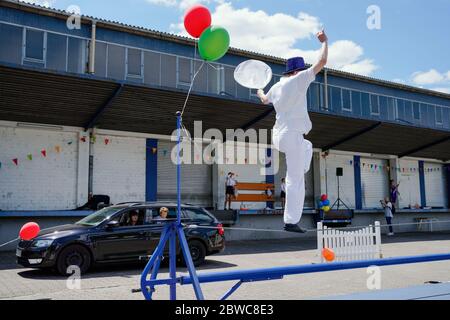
{"x":279,"y":35}
{"x":444,"y":90}
{"x":181,"y":4}
{"x":44,"y":3}
{"x":428,"y":77}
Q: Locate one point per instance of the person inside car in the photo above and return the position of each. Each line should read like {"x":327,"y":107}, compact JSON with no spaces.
{"x":133,"y":219}
{"x":163,"y":213}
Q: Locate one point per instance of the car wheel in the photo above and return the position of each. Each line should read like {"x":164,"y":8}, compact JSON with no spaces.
{"x":74,"y":255}
{"x":198,"y":252}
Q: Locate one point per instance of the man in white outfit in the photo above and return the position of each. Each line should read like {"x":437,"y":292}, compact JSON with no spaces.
{"x":289,"y":99}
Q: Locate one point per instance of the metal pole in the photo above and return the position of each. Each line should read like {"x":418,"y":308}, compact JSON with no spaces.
{"x":179,"y":121}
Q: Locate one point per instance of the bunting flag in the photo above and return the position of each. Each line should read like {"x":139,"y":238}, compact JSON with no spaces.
{"x":30,"y":157}
{"x":107,"y":141}
{"x":44,"y":153}
{"x":0,"y":165}
{"x":58,"y":149}
{"x":83,"y":139}
{"x":70,"y":143}
{"x":154,"y":150}
{"x":16,"y":161}
{"x":93,"y":139}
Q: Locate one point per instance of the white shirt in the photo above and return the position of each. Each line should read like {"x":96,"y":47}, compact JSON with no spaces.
{"x":231,"y":182}
{"x":288,"y":96}
{"x":283,"y":187}
{"x":388,"y":210}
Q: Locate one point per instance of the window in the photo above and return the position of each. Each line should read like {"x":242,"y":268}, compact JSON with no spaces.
{"x":101,"y":53}
{"x":408,"y":110}
{"x":116,"y":62}
{"x":400,"y":109}
{"x":346,"y":100}
{"x":152,"y":68}
{"x":416,"y":111}
{"x":356,"y":101}
{"x":198,"y":215}
{"x":201,"y":81}
{"x":172,"y":213}
{"x":184,"y":72}
{"x":134,"y":63}
{"x":438,"y":115}
{"x":374,"y":105}
{"x":336,"y":99}
{"x":56,"y":52}
{"x":169,"y":71}
{"x":365,"y":103}
{"x":391,"y":109}
{"x":314,"y":96}
{"x":11,"y":44}
{"x":34,"y":47}
{"x":76,"y":55}
{"x":214,"y":78}
{"x":229,"y":83}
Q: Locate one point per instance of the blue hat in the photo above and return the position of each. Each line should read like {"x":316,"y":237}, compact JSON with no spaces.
{"x":295,"y":64}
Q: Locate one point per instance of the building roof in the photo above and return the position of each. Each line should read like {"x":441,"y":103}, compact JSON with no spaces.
{"x":61,"y":14}
{"x":36,"y":96}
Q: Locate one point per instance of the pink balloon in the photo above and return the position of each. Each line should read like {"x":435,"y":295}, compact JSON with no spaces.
{"x":29,"y":231}
{"x":196,"y":20}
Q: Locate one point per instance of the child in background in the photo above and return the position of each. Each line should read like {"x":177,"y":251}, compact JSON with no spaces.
{"x":387,"y":205}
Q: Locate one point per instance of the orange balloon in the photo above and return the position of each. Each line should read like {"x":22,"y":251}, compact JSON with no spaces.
{"x":328,"y":254}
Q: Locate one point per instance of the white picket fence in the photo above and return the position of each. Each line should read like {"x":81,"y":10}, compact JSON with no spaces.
{"x":362,"y":244}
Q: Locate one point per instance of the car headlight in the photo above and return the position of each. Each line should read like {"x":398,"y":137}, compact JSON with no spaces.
{"x":42,"y":243}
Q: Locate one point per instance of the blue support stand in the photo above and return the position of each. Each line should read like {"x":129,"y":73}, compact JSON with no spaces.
{"x":171,"y":231}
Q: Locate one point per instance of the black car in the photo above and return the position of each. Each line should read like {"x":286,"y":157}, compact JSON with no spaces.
{"x":107,"y":236}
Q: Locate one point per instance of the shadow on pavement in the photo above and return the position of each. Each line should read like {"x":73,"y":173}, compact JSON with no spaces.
{"x":115,"y":270}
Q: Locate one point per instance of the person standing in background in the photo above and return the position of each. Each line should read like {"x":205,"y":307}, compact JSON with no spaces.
{"x":283,"y":192}
{"x":387,"y":206}
{"x":394,"y":194}
{"x":230,"y":189}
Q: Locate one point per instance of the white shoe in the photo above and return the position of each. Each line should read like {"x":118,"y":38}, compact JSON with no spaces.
{"x":390,"y":234}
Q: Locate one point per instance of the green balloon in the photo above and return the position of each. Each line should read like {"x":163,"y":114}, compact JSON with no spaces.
{"x":214,"y":43}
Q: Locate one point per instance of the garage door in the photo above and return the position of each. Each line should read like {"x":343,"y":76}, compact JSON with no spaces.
{"x":409,"y":188}
{"x":309,"y":183}
{"x":196,"y":178}
{"x":374,"y":182}
{"x":347,"y":182}
{"x":119,"y":168}
{"x":435,"y":185}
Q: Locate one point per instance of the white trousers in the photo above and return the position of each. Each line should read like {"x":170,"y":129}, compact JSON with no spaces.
{"x":299,"y":154}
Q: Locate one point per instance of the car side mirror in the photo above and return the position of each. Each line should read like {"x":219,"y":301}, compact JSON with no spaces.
{"x":112,"y":224}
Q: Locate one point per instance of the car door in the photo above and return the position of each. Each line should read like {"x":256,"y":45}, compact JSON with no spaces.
{"x":124,"y":242}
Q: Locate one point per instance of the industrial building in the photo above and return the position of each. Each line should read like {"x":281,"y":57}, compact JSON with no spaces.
{"x":92,"y":110}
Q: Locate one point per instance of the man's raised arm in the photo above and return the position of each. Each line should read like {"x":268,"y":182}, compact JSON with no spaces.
{"x":323,"y":58}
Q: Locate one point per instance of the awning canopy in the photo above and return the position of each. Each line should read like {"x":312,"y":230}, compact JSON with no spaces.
{"x":83,"y":101}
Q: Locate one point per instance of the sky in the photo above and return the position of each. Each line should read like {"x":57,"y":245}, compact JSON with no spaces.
{"x":405,"y":41}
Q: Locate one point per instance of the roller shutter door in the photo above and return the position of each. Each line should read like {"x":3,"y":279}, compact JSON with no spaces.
{"x":435,"y":185}
{"x":309,"y":183}
{"x":409,"y":183}
{"x":374,"y":182}
{"x":347,"y":182}
{"x":196,"y":178}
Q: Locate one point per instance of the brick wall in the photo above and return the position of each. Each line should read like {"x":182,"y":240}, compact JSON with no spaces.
{"x":43,"y":183}
{"x":119,"y":168}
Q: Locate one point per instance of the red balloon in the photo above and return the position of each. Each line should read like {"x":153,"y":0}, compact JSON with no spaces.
{"x":29,"y":231}
{"x":328,"y":254}
{"x":196,"y":20}
{"x":324,"y":197}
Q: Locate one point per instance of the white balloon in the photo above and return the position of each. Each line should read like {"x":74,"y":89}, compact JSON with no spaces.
{"x":253,"y":74}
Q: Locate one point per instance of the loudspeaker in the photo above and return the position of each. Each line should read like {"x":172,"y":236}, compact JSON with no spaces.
{"x":339,"y":172}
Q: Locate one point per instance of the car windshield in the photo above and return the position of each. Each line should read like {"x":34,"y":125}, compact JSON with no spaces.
{"x":99,"y":216}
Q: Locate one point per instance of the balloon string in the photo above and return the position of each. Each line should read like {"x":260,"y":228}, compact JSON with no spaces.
{"x":9,"y":242}
{"x":190,"y":88}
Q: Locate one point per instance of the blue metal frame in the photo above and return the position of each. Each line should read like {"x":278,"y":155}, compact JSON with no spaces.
{"x":171,"y":231}
{"x":358,"y":183}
